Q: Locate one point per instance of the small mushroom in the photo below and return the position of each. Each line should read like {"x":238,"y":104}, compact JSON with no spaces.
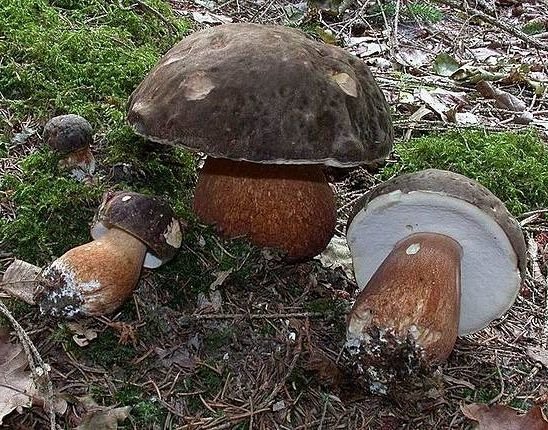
{"x":71,"y":136}
{"x":270,"y":108}
{"x":436,"y":255}
{"x":130,"y":231}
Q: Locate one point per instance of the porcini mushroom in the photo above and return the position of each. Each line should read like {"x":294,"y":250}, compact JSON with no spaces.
{"x":436,"y":255}
{"x":269,"y":107}
{"x":71,"y":137}
{"x":130,"y":231}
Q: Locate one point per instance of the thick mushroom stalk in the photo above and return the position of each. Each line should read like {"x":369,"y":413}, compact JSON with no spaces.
{"x":414,"y":295}
{"x":289,"y":207}
{"x":94,"y":278}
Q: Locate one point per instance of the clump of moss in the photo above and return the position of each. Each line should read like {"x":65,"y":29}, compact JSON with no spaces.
{"x":145,"y":410}
{"x":513,"y":166}
{"x":79,"y":56}
{"x":53,"y":212}
{"x":83,"y":57}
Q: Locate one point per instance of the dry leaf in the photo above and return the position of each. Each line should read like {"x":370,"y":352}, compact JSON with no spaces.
{"x":20,"y":280}
{"x":500,"y":417}
{"x":99,"y":417}
{"x":104,"y":419}
{"x":17,"y":387}
{"x":504,"y":100}
{"x":538,"y":354}
{"x":337,"y":254}
{"x":82,"y":335}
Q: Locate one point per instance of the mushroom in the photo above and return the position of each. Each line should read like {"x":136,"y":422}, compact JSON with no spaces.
{"x":435,"y":255}
{"x":71,"y":136}
{"x":130,"y":231}
{"x":269,"y":107}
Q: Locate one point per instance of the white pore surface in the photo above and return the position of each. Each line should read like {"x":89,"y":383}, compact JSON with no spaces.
{"x":151,"y":261}
{"x":490,"y":277}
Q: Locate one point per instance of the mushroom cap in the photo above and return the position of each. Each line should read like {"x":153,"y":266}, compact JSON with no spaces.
{"x":149,"y":219}
{"x":264,"y":94}
{"x":494,"y":254}
{"x":68,"y":133}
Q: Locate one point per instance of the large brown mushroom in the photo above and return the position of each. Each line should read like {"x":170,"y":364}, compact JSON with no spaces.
{"x":130,"y":231}
{"x":269,"y":107}
{"x":435,"y":255}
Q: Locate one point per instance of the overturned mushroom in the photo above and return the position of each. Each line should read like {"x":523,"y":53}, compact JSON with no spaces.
{"x":270,"y":107}
{"x":436,"y":255}
{"x":130,"y":231}
{"x":71,"y":137}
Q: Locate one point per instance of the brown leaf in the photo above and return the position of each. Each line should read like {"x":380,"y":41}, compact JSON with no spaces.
{"x":500,"y":417}
{"x":17,"y":388}
{"x":20,"y":280}
{"x":100,"y":417}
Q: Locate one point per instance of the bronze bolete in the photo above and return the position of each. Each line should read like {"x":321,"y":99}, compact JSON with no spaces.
{"x":269,"y":107}
{"x":130,"y":231}
{"x":71,"y":137}
{"x":436,"y":255}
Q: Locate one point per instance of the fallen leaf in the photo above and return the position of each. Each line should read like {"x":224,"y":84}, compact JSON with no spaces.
{"x":210,"y":18}
{"x":412,"y":57}
{"x":445,"y":65}
{"x":100,"y":417}
{"x":106,"y":419}
{"x":500,"y":417}
{"x":20,"y":280}
{"x":503,"y":99}
{"x":82,"y":335}
{"x":337,"y":254}
{"x":17,"y":387}
{"x":220,"y":278}
{"x":538,"y":354}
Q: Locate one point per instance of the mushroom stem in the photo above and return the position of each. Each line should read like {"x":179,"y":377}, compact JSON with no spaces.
{"x":81,"y":158}
{"x":289,"y":207}
{"x":415,"y":291}
{"x":94,"y":278}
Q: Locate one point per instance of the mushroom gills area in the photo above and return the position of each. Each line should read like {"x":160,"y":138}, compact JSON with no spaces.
{"x":414,"y":296}
{"x":288,"y":207}
{"x":489,"y":270}
{"x":94,"y":278}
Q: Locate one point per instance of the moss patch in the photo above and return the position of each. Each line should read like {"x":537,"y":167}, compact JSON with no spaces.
{"x":82,"y":57}
{"x":513,"y":166}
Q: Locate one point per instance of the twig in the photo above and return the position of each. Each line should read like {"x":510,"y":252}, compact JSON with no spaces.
{"x":497,"y":22}
{"x":33,"y":357}
{"x":254,"y":316}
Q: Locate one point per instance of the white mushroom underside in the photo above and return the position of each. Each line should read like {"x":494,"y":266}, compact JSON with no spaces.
{"x":490,"y":278}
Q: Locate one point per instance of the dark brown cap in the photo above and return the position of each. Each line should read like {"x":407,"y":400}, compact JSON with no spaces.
{"x":148,"y":218}
{"x":264,"y":94}
{"x":68,"y":133}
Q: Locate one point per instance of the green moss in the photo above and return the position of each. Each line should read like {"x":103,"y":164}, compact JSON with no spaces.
{"x":83,"y":57}
{"x":513,"y":166}
{"x":216,"y":340}
{"x":53,"y":212}
{"x":106,"y":351}
{"x":80,"y":57}
{"x":145,"y":410}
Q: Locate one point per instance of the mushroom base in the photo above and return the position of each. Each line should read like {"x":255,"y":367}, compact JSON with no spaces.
{"x":92,"y":279}
{"x":407,"y":315}
{"x":288,"y":207}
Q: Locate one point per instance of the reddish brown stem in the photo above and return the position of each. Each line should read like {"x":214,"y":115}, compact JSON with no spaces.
{"x":416,"y":290}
